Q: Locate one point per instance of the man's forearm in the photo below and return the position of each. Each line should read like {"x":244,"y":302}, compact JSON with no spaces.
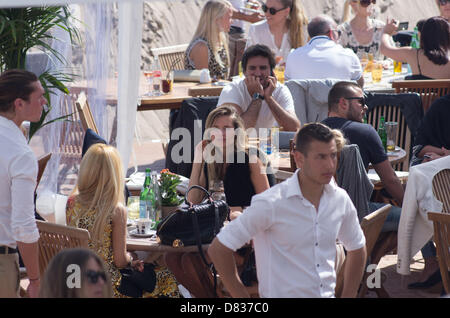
{"x":353,"y":272}
{"x":30,"y":256}
{"x":284,"y":118}
{"x":250,"y":116}
{"x":395,"y":189}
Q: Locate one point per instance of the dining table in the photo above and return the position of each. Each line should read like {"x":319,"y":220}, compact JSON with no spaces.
{"x":385,"y":85}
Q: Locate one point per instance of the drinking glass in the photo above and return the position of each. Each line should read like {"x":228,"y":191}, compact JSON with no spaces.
{"x":156,"y":83}
{"x":279,"y":73}
{"x":391,"y":132}
{"x":149,"y":78}
{"x":133,"y":207}
{"x":397,"y":67}
{"x":377,"y":72}
{"x":217,"y":190}
{"x":167,"y":81}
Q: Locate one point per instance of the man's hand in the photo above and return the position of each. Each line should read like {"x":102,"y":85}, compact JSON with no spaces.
{"x":430,"y":156}
{"x":391,"y":27}
{"x":272,"y":83}
{"x":254,"y":17}
{"x":33,"y":288}
{"x":253,"y":85}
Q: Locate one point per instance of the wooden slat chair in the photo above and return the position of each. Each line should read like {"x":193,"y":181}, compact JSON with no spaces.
{"x":87,"y":120}
{"x":42,"y":163}
{"x":371,"y":226}
{"x":441,"y":225}
{"x":171,"y":57}
{"x":441,"y":188}
{"x":429,"y":90}
{"x":393,"y":113}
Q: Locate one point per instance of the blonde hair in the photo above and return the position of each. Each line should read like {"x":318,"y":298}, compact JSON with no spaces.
{"x":215,"y":170}
{"x":100,"y":186}
{"x":297,"y":22}
{"x":209,"y":29}
{"x":339,"y":139}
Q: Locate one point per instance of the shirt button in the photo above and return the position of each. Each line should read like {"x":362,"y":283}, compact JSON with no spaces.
{"x":317,"y":244}
{"x":318,"y":265}
{"x":321,"y":285}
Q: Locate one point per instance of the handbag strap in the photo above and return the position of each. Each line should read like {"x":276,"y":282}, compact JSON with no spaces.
{"x":196,"y":187}
{"x":199,"y":242}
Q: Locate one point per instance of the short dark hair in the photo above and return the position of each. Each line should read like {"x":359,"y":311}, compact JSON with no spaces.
{"x":435,"y":40}
{"x":320,"y":25}
{"x":258,"y":50}
{"x":310,"y":132}
{"x":339,"y":90}
{"x":15,"y":84}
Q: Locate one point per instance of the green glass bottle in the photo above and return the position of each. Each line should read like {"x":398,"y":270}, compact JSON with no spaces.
{"x":155,"y":199}
{"x":382,"y":133}
{"x":143,"y":210}
{"x":415,"y":42}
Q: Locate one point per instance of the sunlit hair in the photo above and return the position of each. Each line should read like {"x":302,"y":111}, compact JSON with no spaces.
{"x":296,"y":22}
{"x":339,"y":138}
{"x":100,"y":186}
{"x":209,"y":29}
{"x":435,"y":40}
{"x":312,"y":132}
{"x":54,"y":283}
{"x":240,"y":138}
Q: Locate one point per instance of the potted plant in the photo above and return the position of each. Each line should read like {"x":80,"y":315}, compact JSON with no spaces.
{"x":170,"y":200}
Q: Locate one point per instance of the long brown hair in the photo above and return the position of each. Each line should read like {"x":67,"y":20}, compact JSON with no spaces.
{"x":296,"y":23}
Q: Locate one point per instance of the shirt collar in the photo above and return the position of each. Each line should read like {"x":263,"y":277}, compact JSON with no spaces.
{"x":319,"y":37}
{"x":293,"y":186}
{"x":11,"y":126}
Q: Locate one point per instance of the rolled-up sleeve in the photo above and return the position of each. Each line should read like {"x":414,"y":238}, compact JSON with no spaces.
{"x":23,"y":172}
{"x":255,"y":219}
{"x":350,"y":233}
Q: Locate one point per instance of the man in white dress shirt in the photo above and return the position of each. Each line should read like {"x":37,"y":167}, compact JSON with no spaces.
{"x":322,"y":57}
{"x":259,"y":99}
{"x":294,"y":226}
{"x":21,"y":98}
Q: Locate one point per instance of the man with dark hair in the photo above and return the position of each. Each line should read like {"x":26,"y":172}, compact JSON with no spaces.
{"x":294,"y":226}
{"x":346,"y":111}
{"x":259,"y":99}
{"x":21,"y":98}
{"x":322,"y":57}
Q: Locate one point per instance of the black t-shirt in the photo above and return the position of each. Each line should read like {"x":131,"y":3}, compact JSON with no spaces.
{"x":364,"y":135}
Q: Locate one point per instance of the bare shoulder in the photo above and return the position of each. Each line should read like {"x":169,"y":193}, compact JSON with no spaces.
{"x":120,"y":213}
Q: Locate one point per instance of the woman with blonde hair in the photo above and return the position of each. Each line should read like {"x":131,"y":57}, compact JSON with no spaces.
{"x":209,"y":45}
{"x":285,"y":28}
{"x":97,"y":205}
{"x":362,"y":33}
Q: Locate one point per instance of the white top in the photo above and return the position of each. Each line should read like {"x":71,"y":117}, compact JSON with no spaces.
{"x":295,"y":245}
{"x":322,"y":58}
{"x":414,"y":229}
{"x":237,"y":93}
{"x":259,"y":33}
{"x":18,"y":172}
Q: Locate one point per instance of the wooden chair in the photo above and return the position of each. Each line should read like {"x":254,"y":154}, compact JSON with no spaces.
{"x":429,"y":90}
{"x":441,"y":225}
{"x":42,"y":163}
{"x":441,"y":184}
{"x":87,"y":120}
{"x":171,"y":57}
{"x":371,"y":226}
{"x":205,"y":91}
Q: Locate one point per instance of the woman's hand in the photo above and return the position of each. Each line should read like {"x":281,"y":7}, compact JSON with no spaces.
{"x":391,"y":26}
{"x":198,"y":152}
{"x":138,"y":265}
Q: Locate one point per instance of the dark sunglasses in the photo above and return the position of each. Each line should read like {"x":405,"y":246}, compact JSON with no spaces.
{"x":93,"y":276}
{"x":366,"y":3}
{"x":272,"y":11}
{"x":443,"y":2}
{"x":361,"y":100}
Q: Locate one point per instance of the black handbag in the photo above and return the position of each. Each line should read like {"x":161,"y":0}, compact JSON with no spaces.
{"x":134,"y":282}
{"x":194,"y":225}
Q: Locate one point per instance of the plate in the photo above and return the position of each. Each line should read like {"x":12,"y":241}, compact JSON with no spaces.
{"x":136,"y":234}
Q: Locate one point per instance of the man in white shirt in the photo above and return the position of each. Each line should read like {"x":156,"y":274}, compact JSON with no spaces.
{"x":21,"y":98}
{"x":259,"y":99}
{"x":294,"y":226}
{"x":322,"y":57}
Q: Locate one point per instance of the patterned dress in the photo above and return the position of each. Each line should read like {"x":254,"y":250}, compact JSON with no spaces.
{"x":348,"y":40}
{"x":166,"y":285}
{"x":215,"y":70}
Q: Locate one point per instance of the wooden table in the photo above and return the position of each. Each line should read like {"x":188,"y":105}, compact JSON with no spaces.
{"x":151,"y":245}
{"x":385,"y":86}
{"x":395,"y":157}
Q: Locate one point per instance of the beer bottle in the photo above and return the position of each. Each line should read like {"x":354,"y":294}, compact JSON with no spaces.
{"x":143,"y":211}
{"x":382,"y":133}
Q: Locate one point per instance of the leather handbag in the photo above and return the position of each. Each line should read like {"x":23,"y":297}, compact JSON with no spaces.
{"x":196,"y":224}
{"x":134,"y":282}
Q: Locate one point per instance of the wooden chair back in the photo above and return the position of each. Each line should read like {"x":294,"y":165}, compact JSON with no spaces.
{"x":87,"y":120}
{"x":393,"y":113}
{"x":55,"y":237}
{"x":429,"y":90}
{"x":205,"y":91}
{"x":42,"y":163}
{"x":441,"y":225}
{"x":171,"y":57}
{"x":441,"y":188}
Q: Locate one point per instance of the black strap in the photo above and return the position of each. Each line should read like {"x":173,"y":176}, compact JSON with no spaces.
{"x":199,"y":242}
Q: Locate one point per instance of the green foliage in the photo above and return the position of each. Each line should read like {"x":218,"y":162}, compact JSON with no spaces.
{"x":24,"y":28}
{"x":168,"y":183}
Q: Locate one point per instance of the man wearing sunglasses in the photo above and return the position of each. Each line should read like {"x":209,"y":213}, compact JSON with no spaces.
{"x":259,"y":99}
{"x":346,"y":111}
{"x":322,"y":57}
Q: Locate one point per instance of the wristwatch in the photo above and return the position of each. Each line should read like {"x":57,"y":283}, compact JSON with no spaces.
{"x":258,"y":95}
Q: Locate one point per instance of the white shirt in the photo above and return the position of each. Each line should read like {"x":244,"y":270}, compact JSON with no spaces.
{"x":414,"y":229}
{"x":322,"y":58}
{"x":18,"y":171}
{"x":259,"y":33}
{"x":295,"y":245}
{"x":237,"y":93}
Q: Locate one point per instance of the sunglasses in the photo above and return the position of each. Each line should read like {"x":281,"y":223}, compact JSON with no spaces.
{"x":272,"y":11}
{"x":365,"y":3}
{"x":93,"y":276}
{"x":443,"y":2}
{"x":361,"y":100}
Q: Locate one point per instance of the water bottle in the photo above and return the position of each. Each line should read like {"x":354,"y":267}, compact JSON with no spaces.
{"x":382,"y":133}
{"x":415,"y":43}
{"x":156,"y":78}
{"x":155,"y":197}
{"x":143,"y":209}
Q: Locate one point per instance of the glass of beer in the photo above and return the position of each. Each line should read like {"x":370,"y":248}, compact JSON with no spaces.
{"x":377,"y":72}
{"x":279,"y":73}
{"x":391,"y":132}
{"x":397,"y":67}
{"x":167,"y":81}
{"x":133,"y":207}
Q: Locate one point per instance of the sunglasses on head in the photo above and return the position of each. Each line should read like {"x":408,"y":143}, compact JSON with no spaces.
{"x":361,"y":100}
{"x":443,"y":2}
{"x":272,"y":11}
{"x":93,"y":276}
{"x":365,"y":3}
